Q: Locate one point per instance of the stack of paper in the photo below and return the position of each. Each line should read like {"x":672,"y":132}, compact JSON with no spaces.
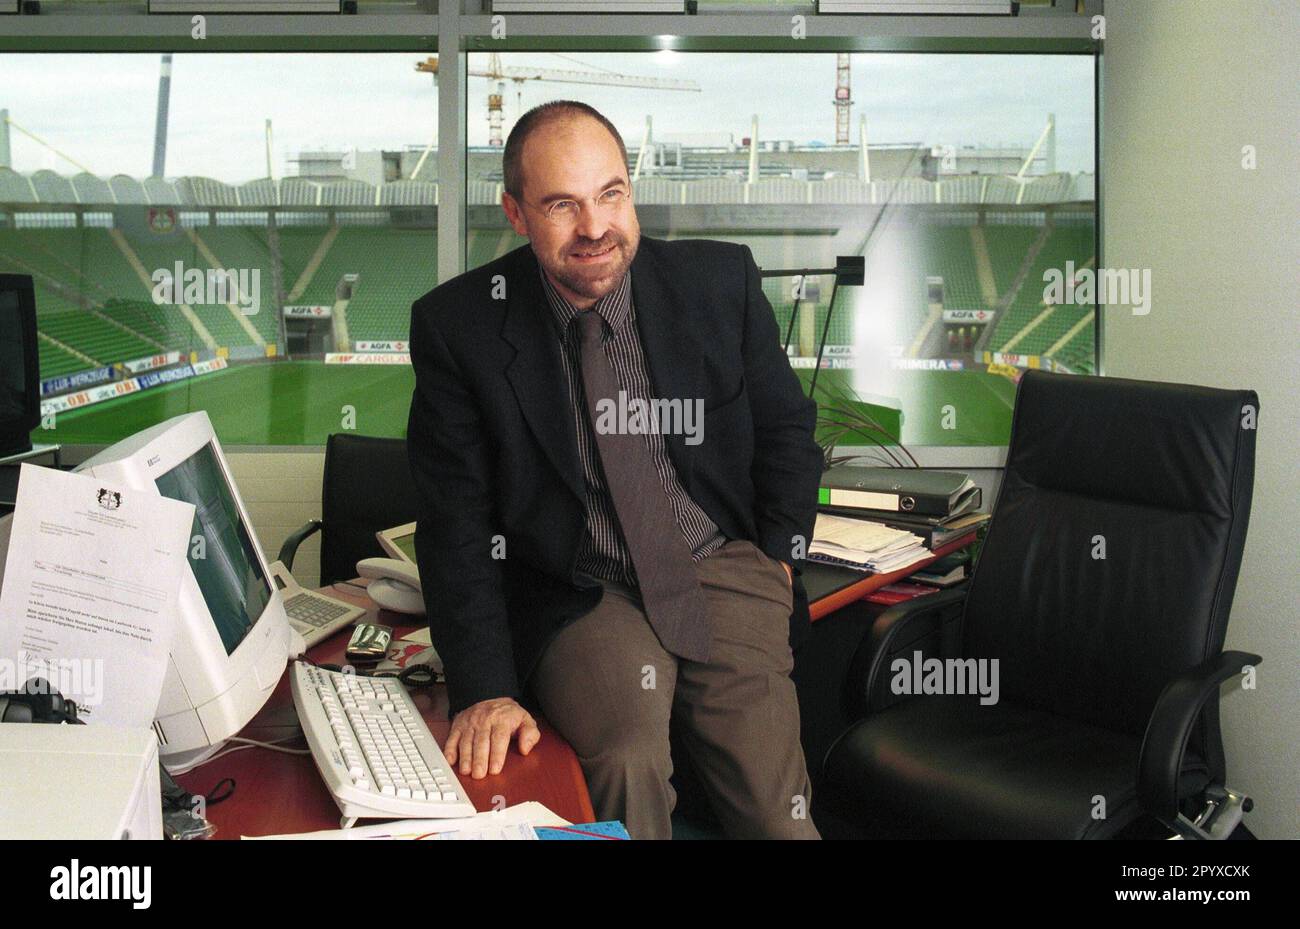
{"x":514,"y":822}
{"x":529,"y":820}
{"x":864,"y":545}
{"x":88,"y":600}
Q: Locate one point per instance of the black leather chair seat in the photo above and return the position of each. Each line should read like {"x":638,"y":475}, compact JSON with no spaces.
{"x":947,"y":767}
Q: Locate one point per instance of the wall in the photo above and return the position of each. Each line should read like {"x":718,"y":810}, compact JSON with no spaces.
{"x":282,"y":491}
{"x":1185,"y":86}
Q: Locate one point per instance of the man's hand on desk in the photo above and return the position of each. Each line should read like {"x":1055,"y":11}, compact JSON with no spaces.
{"x":480,"y":736}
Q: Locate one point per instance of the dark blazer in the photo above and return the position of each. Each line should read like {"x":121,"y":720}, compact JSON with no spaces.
{"x":494,"y":454}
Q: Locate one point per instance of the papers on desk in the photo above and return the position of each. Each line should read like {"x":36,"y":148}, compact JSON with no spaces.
{"x":419,"y":636}
{"x":89,"y":593}
{"x":513,"y":822}
{"x":864,"y":545}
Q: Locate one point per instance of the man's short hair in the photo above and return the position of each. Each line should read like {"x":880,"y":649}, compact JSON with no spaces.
{"x":536,"y":118}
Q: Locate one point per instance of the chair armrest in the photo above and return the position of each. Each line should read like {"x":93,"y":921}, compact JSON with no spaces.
{"x":900,"y":630}
{"x":290,"y":547}
{"x":1175,"y":713}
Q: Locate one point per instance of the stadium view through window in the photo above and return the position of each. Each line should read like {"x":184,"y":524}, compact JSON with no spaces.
{"x":257,"y":258}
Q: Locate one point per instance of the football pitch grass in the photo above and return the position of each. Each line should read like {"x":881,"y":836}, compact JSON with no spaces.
{"x":303,"y":402}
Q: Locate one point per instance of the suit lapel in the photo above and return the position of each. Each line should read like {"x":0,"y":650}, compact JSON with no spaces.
{"x":673,"y":356}
{"x":536,"y":373}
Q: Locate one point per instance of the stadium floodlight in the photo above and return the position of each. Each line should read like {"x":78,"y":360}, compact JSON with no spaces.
{"x":921,"y":7}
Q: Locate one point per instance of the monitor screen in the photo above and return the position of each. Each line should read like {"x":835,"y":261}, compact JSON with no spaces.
{"x":13,"y":360}
{"x":222,"y":556}
{"x":406,"y":544}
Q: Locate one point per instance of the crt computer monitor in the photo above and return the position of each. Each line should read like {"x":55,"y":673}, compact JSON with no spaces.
{"x":20,"y":398}
{"x":232,"y":635}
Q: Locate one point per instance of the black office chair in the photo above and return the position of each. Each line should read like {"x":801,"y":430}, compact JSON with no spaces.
{"x":367,"y":488}
{"x":1103,"y":589}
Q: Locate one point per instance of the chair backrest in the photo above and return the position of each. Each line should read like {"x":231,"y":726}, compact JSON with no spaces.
{"x":367,"y":488}
{"x":1112,"y":556}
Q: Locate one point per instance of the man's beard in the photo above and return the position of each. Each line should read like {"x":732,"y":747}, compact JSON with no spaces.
{"x":593,"y":283}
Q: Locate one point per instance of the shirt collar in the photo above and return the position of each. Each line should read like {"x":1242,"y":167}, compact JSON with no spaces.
{"x":615,"y":307}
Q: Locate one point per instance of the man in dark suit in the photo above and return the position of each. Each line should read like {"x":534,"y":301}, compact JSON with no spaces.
{"x":617,"y":482}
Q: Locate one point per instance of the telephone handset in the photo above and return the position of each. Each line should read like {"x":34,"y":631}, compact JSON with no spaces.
{"x":394,"y":585}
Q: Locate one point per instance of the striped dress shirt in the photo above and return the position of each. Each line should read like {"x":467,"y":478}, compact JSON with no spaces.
{"x":603,"y":553}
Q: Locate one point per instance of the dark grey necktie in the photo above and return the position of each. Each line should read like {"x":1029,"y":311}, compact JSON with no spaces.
{"x":670,"y":592}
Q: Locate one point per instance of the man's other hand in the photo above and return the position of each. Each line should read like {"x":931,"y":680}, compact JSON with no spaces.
{"x":480,"y":736}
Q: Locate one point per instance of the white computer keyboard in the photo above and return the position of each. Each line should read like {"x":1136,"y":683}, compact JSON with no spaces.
{"x":316,"y":618}
{"x":374,"y":751}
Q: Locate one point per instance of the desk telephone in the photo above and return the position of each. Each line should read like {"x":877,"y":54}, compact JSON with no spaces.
{"x":394,"y":585}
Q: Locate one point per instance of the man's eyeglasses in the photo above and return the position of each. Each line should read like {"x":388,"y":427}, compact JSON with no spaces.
{"x":566,"y":212}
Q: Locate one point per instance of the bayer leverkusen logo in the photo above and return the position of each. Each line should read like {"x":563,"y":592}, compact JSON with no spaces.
{"x":109,"y":499}
{"x":162,"y":220}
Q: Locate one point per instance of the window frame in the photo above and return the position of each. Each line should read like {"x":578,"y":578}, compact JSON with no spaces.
{"x":453,"y":29}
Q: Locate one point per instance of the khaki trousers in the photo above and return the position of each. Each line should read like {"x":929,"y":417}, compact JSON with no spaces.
{"x":608,"y":686}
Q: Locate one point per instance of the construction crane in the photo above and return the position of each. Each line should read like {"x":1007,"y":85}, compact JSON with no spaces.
{"x":502,"y":73}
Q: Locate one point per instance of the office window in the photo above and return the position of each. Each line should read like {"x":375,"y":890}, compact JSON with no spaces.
{"x":976,"y":188}
{"x":293,"y":223}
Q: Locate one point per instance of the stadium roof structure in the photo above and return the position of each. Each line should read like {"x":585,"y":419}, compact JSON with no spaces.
{"x":47,"y":189}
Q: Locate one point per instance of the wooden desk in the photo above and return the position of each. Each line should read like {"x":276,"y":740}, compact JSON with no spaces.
{"x":832,"y":588}
{"x":278,"y":793}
